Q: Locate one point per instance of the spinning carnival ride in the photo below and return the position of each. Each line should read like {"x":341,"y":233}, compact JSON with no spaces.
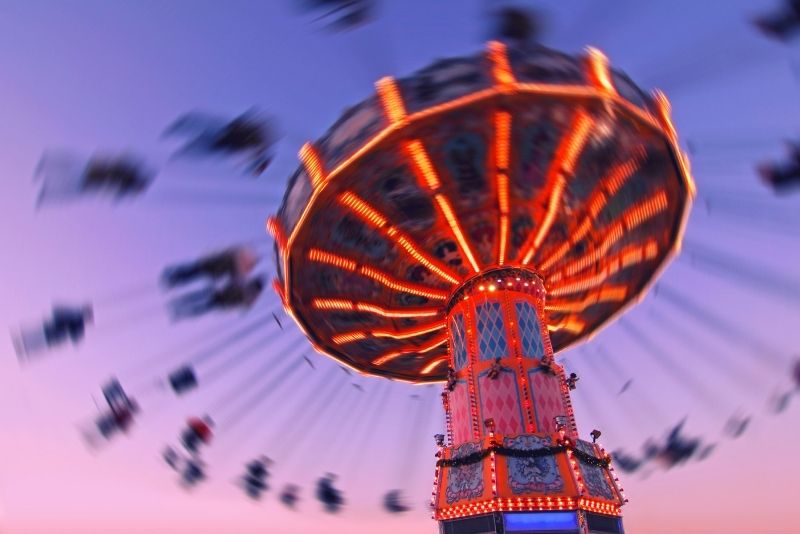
{"x":466,"y":224}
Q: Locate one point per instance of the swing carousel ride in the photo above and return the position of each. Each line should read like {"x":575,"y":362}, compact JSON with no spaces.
{"x":462,"y":228}
{"x":467,"y":223}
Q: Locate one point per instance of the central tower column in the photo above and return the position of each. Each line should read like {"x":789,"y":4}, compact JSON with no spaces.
{"x":512,"y":461}
{"x":500,"y":360}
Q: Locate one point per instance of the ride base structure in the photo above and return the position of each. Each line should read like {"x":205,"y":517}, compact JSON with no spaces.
{"x":515,"y":462}
{"x":464,"y":225}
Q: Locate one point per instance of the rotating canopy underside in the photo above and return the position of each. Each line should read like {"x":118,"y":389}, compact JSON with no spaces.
{"x":463,"y":167}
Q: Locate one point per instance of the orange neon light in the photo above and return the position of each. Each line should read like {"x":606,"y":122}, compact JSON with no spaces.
{"x":605,"y":294}
{"x":372,"y":216}
{"x":433,"y":365}
{"x":599,"y":73}
{"x":364,"y":210}
{"x":405,"y":334}
{"x":392,"y":101}
{"x":330,"y":258}
{"x":278,"y":288}
{"x":627,"y":222}
{"x":502,"y":121}
{"x":313,"y":164}
{"x":447,"y":211}
{"x":389,"y":356}
{"x":349,"y":305}
{"x":333,"y":304}
{"x":571,"y":324}
{"x":501,"y":69}
{"x":608,"y":188}
{"x":275,"y":229}
{"x":423,"y":168}
{"x":322,"y":256}
{"x":561,"y":167}
{"x":349,"y":337}
{"x":397,"y":285}
{"x":629,"y":256}
{"x":401,"y":313}
{"x":502,"y":129}
{"x":501,"y":253}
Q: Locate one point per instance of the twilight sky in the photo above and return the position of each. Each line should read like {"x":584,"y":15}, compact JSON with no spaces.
{"x":86,"y":74}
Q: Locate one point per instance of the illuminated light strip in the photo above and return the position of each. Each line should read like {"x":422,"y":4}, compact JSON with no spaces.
{"x":515,"y":505}
{"x":405,"y":334}
{"x":409,"y":247}
{"x":433,"y":365}
{"x":392,"y":102}
{"x":597,"y":506}
{"x":278,"y":288}
{"x":348,"y":305}
{"x":630,"y":256}
{"x":606,"y":294}
{"x":364,"y":210}
{"x":391,"y":283}
{"x":610,"y":186}
{"x":341,"y":339}
{"x":313,"y":164}
{"x":665,"y":121}
{"x":333,"y":304}
{"x":502,"y":121}
{"x":561,"y":167}
{"x":373,"y":217}
{"x":275,"y":229}
{"x":411,"y":350}
{"x":599,"y":73}
{"x":426,"y":175}
{"x":447,"y":211}
{"x":322,"y":256}
{"x":347,"y":264}
{"x":501,"y":254}
{"x":629,"y":221}
{"x":572,"y":325}
{"x":501,"y":69}
{"x":402,"y":313}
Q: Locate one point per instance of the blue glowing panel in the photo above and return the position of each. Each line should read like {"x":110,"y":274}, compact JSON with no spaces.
{"x":492,"y":342}
{"x":530,"y":333}
{"x":459,"y":343}
{"x":541,"y":522}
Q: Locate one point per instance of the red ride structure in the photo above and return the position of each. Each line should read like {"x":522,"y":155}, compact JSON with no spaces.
{"x":467,"y":223}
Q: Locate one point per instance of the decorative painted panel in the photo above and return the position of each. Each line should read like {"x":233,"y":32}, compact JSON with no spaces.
{"x":458,"y":333}
{"x":595,"y":478}
{"x":492,"y":341}
{"x":530,"y":333}
{"x":533,"y":475}
{"x":500,"y":400}
{"x":547,"y":399}
{"x":460,"y":413}
{"x":466,"y":481}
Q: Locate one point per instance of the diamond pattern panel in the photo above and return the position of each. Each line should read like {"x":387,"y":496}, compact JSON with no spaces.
{"x":547,"y":400}
{"x":500,"y":401}
{"x":530,"y":332}
{"x":460,"y":413}
{"x":458,"y":333}
{"x":492,"y":342}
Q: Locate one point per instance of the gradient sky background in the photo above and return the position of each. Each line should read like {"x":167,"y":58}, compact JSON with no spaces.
{"x":87,"y":74}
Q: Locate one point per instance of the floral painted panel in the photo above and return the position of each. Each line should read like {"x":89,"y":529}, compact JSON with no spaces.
{"x":594,"y":477}
{"x":465,"y":481}
{"x":533,"y":475}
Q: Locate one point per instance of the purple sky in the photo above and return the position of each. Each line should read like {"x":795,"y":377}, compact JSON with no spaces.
{"x":84,"y":75}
